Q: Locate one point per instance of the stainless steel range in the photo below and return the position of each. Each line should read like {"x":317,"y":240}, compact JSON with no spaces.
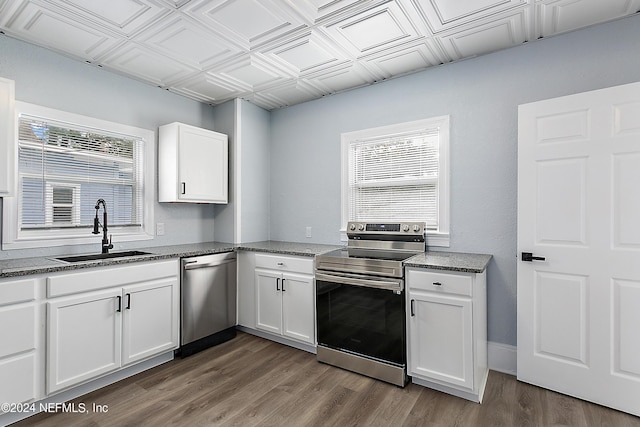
{"x":360,"y":303}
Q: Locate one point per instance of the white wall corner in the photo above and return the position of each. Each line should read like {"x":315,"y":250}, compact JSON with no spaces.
{"x":502,"y":357}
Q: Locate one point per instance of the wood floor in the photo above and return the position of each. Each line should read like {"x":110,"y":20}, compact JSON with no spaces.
{"x":251,"y":381}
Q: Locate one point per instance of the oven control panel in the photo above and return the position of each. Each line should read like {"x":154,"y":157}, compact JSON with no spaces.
{"x":355,"y":227}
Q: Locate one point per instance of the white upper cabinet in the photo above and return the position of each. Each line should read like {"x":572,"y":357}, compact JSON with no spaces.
{"x":193,"y":165}
{"x":7,"y":138}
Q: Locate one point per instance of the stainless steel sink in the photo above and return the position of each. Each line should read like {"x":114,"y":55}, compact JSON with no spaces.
{"x":94,"y":257}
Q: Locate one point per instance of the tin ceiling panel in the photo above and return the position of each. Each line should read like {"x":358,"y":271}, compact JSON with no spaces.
{"x":276,"y":53}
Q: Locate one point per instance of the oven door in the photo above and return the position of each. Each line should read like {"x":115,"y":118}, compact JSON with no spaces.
{"x":362,"y":315}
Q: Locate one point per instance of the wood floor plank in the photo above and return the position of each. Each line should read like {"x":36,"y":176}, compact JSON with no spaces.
{"x":397,"y":405}
{"x":500,"y":392}
{"x":250,"y":381}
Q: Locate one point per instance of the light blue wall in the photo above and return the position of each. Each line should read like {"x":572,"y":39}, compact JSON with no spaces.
{"x":225,"y":215}
{"x":255,"y":125}
{"x":246,"y":217}
{"x":46,"y":78}
{"x":481,"y":96}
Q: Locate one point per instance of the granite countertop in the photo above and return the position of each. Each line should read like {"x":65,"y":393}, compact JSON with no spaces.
{"x":471,"y":263}
{"x":452,"y":261}
{"x":42,"y":265}
{"x":288,"y":248}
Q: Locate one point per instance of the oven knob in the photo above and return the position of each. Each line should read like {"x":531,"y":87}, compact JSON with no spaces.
{"x":405,"y":228}
{"x":360,"y":227}
{"x":353,"y":227}
{"x":416,"y":228}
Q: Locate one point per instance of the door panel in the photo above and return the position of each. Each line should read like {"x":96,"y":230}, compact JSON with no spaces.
{"x":562,"y":213}
{"x":578,"y":208}
{"x":441,"y":329}
{"x":202,"y":156}
{"x":150,"y":319}
{"x":298,"y":319}
{"x":626,"y":204}
{"x":561,"y":302}
{"x":84,"y":338}
{"x":268,"y":301}
{"x":626,"y":302}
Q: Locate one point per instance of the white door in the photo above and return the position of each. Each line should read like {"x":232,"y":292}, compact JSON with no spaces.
{"x":268,"y":301}
{"x":150,"y":324}
{"x":84,"y":337}
{"x":298,"y":319}
{"x":579,"y":209}
{"x":440,"y":337}
{"x":202,"y":165}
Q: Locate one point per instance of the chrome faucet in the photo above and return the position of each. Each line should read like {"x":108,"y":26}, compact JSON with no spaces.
{"x":106,"y":242}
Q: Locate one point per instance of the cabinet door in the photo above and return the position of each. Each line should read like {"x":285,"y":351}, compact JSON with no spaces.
{"x":84,"y":337}
{"x":202,"y":165}
{"x":298,"y":320}
{"x":440,"y":338}
{"x":150,"y":324}
{"x":268,"y":301}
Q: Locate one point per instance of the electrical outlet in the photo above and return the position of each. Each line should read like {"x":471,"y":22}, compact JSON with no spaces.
{"x":160,"y":229}
{"x":308,"y":233}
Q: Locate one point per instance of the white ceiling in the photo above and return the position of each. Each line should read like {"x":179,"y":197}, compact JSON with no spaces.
{"x":276,"y":53}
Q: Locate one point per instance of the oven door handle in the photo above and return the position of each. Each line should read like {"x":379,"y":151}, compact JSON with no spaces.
{"x":366,"y":283}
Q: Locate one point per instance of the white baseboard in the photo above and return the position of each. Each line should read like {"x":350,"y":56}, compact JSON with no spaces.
{"x":502,"y":357}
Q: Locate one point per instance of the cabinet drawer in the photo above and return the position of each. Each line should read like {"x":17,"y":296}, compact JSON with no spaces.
{"x":109,"y":277}
{"x":19,"y":331}
{"x":20,"y":372}
{"x":451,"y":283}
{"x":17,"y":291}
{"x":285,"y":263}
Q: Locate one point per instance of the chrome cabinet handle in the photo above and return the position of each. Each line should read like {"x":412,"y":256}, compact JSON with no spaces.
{"x":413,"y":313}
{"x":128,"y":307}
{"x":119,"y":309}
{"x":184,"y":188}
{"x":283,"y":285}
{"x":278,"y":284}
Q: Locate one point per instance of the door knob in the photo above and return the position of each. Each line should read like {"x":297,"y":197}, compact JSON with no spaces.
{"x":528,"y":256}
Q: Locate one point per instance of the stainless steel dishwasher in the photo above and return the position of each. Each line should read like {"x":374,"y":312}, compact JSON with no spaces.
{"x":208,"y":301}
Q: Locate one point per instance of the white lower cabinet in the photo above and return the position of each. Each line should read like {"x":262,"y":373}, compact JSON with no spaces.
{"x":84,"y":338}
{"x":276,"y":294}
{"x":284,"y":304}
{"x":446,"y":323}
{"x":93,"y":333}
{"x":268,"y":301}
{"x":21,"y":367}
{"x":149,"y":317}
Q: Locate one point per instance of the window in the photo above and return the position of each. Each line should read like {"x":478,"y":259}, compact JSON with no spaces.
{"x":66,"y":162}
{"x":62,"y":204}
{"x":399,"y":172}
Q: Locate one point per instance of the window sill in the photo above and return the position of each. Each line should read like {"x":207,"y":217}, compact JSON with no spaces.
{"x":67,"y":240}
{"x":438,"y":240}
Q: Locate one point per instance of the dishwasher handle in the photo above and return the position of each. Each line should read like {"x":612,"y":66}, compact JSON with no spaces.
{"x":194,"y":264}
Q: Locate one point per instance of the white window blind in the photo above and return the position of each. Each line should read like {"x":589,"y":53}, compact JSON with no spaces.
{"x":65,"y":168}
{"x":395,"y":177}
